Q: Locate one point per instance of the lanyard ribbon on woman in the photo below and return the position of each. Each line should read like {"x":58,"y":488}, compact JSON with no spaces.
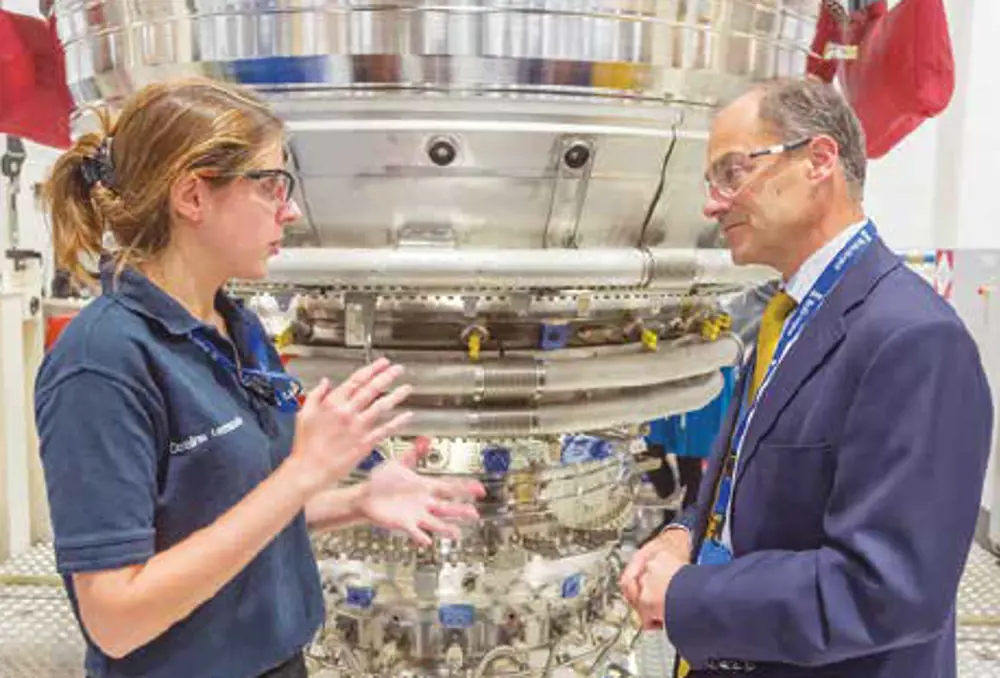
{"x":713,"y":551}
{"x":277,"y":388}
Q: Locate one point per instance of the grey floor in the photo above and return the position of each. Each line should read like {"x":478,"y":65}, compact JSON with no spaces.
{"x":39,"y":639}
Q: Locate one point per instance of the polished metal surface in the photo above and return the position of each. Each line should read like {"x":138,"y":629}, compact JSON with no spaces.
{"x":508,"y":123}
{"x":611,"y":48}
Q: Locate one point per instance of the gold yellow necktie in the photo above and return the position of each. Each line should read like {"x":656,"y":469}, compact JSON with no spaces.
{"x":771,"y":325}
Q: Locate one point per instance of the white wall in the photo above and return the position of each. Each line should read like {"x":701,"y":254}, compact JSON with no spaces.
{"x":936,"y":190}
{"x":903,"y":210}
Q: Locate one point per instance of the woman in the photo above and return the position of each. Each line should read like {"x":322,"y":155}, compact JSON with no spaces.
{"x":182,"y":475}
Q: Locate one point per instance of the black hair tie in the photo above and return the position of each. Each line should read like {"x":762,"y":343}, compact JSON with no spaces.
{"x":98,"y":168}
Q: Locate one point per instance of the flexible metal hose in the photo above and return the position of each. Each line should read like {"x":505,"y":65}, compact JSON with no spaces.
{"x":638,"y":405}
{"x":452,"y":374}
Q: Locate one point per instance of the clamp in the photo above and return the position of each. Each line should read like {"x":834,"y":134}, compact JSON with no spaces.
{"x":649,"y":338}
{"x":713,"y":326}
{"x":473,"y":337}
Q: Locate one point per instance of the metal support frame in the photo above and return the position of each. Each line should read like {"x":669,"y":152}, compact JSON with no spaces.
{"x":23,"y":506}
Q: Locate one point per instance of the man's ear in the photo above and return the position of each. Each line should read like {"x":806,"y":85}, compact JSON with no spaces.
{"x":824,"y":155}
{"x":187,"y":199}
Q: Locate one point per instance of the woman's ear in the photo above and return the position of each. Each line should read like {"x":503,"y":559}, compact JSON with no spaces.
{"x":188,"y":198}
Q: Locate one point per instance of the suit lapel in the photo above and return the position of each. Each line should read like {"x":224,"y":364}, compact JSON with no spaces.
{"x":820,"y":337}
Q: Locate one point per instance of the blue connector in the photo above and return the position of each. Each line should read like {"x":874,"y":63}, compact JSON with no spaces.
{"x":371,"y":461}
{"x":457,"y":616}
{"x":555,"y":336}
{"x":496,"y":460}
{"x":360,"y":597}
{"x":578,"y":449}
{"x":572,"y":586}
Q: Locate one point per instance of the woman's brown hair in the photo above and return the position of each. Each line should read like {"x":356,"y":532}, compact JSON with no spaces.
{"x":118,"y":180}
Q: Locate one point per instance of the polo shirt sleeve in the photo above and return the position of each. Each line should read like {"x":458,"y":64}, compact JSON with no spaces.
{"x":97,"y":435}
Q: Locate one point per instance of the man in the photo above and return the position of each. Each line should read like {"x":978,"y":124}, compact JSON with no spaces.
{"x":839,"y":505}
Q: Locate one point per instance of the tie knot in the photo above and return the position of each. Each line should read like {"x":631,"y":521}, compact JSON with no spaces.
{"x":780,"y":305}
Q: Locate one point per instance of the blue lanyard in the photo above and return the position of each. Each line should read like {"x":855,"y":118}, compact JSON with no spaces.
{"x":803,"y":313}
{"x":277,"y":388}
{"x":793,"y":328}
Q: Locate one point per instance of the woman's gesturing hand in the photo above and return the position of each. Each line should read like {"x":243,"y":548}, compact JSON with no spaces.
{"x":396,"y":497}
{"x":337,"y":427}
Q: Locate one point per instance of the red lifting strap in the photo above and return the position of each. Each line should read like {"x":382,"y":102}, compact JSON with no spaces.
{"x":35,"y":101}
{"x":904,"y":72}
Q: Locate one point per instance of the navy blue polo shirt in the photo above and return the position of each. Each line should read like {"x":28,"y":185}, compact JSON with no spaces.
{"x":146,"y":438}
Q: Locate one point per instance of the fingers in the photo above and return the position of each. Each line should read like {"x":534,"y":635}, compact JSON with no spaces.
{"x":432,"y":523}
{"x":368,"y":392}
{"x":346,"y":390}
{"x":630,"y":577}
{"x":421,"y":446}
{"x":383,"y":406}
{"x":650,"y":607}
{"x":630,"y":590}
{"x":453,"y":510}
{"x":420,"y":537}
{"x":458,"y":490}
{"x":636,"y":570}
{"x":317,"y":395}
{"x":386,"y":430}
{"x":419,"y":528}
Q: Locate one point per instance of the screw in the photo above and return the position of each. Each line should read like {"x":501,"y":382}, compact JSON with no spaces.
{"x":442,"y":152}
{"x":576,"y":156}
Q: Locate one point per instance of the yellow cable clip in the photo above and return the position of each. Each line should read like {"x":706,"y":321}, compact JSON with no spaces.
{"x":712,"y":328}
{"x":473,"y":336}
{"x":649,"y":339}
{"x":284,"y":338}
{"x":475,"y":343}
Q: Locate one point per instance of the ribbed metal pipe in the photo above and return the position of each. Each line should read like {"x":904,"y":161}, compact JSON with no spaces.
{"x":451,"y":374}
{"x":430,"y":268}
{"x":640,"y":405}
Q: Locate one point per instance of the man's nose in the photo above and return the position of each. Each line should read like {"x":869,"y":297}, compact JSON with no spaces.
{"x":715,"y":206}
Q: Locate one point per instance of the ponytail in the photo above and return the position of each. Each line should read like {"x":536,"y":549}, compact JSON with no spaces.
{"x":74,"y":197}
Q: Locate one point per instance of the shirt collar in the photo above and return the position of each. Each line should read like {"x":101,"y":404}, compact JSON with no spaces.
{"x":138,"y":293}
{"x":802,"y":280}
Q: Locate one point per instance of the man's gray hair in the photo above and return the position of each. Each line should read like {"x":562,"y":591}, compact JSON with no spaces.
{"x":799,"y":108}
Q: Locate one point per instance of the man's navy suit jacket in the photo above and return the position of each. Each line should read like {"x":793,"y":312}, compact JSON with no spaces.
{"x":856,"y":497}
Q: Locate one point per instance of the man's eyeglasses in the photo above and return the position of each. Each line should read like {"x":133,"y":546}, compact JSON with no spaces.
{"x":728,"y":175}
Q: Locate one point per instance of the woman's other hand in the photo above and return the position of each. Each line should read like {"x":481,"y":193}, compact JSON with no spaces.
{"x":396,"y":497}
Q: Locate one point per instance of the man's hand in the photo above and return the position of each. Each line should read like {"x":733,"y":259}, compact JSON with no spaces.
{"x":653,"y":586}
{"x":675,"y":541}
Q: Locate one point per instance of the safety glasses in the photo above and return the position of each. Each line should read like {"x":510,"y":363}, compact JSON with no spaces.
{"x":732,"y":172}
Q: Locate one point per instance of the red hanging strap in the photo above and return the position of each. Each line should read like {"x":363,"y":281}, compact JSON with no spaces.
{"x":903,"y":72}
{"x":35,"y":101}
